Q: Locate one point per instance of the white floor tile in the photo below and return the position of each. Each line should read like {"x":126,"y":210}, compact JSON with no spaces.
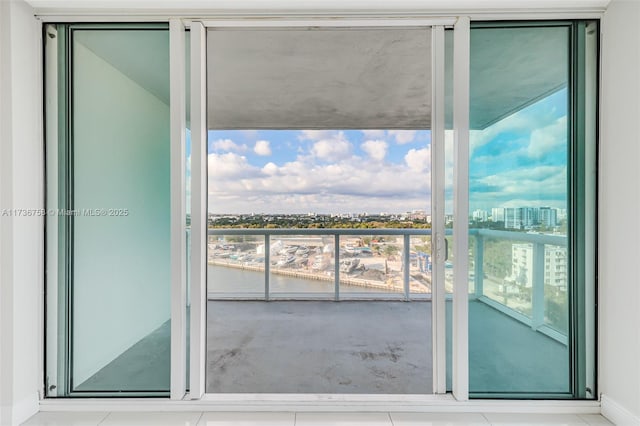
{"x":343,"y":419}
{"x":51,"y":418}
{"x":534,"y":419}
{"x":594,"y":419}
{"x":247,"y":419}
{"x":437,"y":419}
{"x":152,"y":419}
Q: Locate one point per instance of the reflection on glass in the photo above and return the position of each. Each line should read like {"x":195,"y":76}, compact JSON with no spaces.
{"x":518,"y":311}
{"x":121,"y":192}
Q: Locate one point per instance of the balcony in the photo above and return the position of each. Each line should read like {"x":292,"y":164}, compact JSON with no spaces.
{"x":347,"y":264}
{"x":512,"y":319}
{"x":274,"y":332}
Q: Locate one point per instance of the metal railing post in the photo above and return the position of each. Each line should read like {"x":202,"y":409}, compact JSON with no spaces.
{"x":336,"y":266}
{"x":537,"y":290}
{"x":406,"y":254}
{"x":267,"y":265}
{"x":478,"y":268}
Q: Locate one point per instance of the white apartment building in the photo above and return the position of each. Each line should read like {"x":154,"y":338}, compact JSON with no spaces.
{"x":555,"y":266}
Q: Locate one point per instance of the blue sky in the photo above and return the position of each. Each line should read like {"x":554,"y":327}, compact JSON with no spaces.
{"x":519,"y":161}
{"x":323,"y":171}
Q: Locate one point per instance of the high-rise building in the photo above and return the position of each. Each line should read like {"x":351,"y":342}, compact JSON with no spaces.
{"x":480,"y":215}
{"x":548,"y":217}
{"x":497,"y":214}
{"x":529,"y":216}
{"x":512,"y":217}
{"x":555,"y":266}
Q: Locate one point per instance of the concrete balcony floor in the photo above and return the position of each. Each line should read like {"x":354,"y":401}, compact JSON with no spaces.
{"x":319,"y":347}
{"x":367,"y":347}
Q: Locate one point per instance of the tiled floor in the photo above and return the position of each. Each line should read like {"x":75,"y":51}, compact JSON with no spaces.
{"x":307,"y":419}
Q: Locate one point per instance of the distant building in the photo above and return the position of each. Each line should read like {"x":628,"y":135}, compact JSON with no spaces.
{"x":480,"y":215}
{"x":529,"y":216}
{"x":555,"y":266}
{"x":562,"y":214}
{"x":497,"y":214}
{"x":548,"y":217}
{"x":512,"y":218}
{"x":417,"y":215}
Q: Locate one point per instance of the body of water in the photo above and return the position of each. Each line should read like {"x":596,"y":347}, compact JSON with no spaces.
{"x":221,"y":279}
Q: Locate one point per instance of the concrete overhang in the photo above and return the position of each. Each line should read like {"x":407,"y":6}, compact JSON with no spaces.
{"x":347,"y":78}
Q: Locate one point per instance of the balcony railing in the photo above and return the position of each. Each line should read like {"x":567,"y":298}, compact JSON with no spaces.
{"x":519,"y":291}
{"x":332,"y":257}
{"x":531,"y":297}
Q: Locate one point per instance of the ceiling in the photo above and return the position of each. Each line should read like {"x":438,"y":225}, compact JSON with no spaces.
{"x":328,"y":78}
{"x":143,"y":56}
{"x":346,"y":79}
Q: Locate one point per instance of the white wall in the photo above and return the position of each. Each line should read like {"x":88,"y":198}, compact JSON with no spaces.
{"x":21,"y":171}
{"x":619,"y":233}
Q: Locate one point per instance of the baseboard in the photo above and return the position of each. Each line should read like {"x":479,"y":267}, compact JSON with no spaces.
{"x":25,"y":408}
{"x":617,"y":414}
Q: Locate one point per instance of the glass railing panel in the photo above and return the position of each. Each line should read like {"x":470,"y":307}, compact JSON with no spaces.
{"x":235,"y":266}
{"x":420,"y":265}
{"x":302,"y":266}
{"x":371,"y":264}
{"x":556,"y":297}
{"x":508,"y":274}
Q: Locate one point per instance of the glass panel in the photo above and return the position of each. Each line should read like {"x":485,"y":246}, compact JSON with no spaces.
{"x":121,"y":224}
{"x":302,"y":266}
{"x":518,"y":199}
{"x":420,"y":265}
{"x":235,"y":265}
{"x":371,"y":264}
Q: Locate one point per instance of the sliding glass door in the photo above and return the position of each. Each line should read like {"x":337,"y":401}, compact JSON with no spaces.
{"x":108,"y":217}
{"x":527,"y":209}
{"x":322,"y":163}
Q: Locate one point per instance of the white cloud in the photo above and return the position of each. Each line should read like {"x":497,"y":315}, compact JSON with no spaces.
{"x":262,"y":148}
{"x":374,"y":134}
{"x":304,"y":185}
{"x":229,"y":165}
{"x":376,"y":149}
{"x":418,"y":159}
{"x":228,"y":145}
{"x":532,"y":186}
{"x":327,"y":177}
{"x":549,"y":139}
{"x":335,"y":148}
{"x":270,"y":169}
{"x":403,"y":136}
